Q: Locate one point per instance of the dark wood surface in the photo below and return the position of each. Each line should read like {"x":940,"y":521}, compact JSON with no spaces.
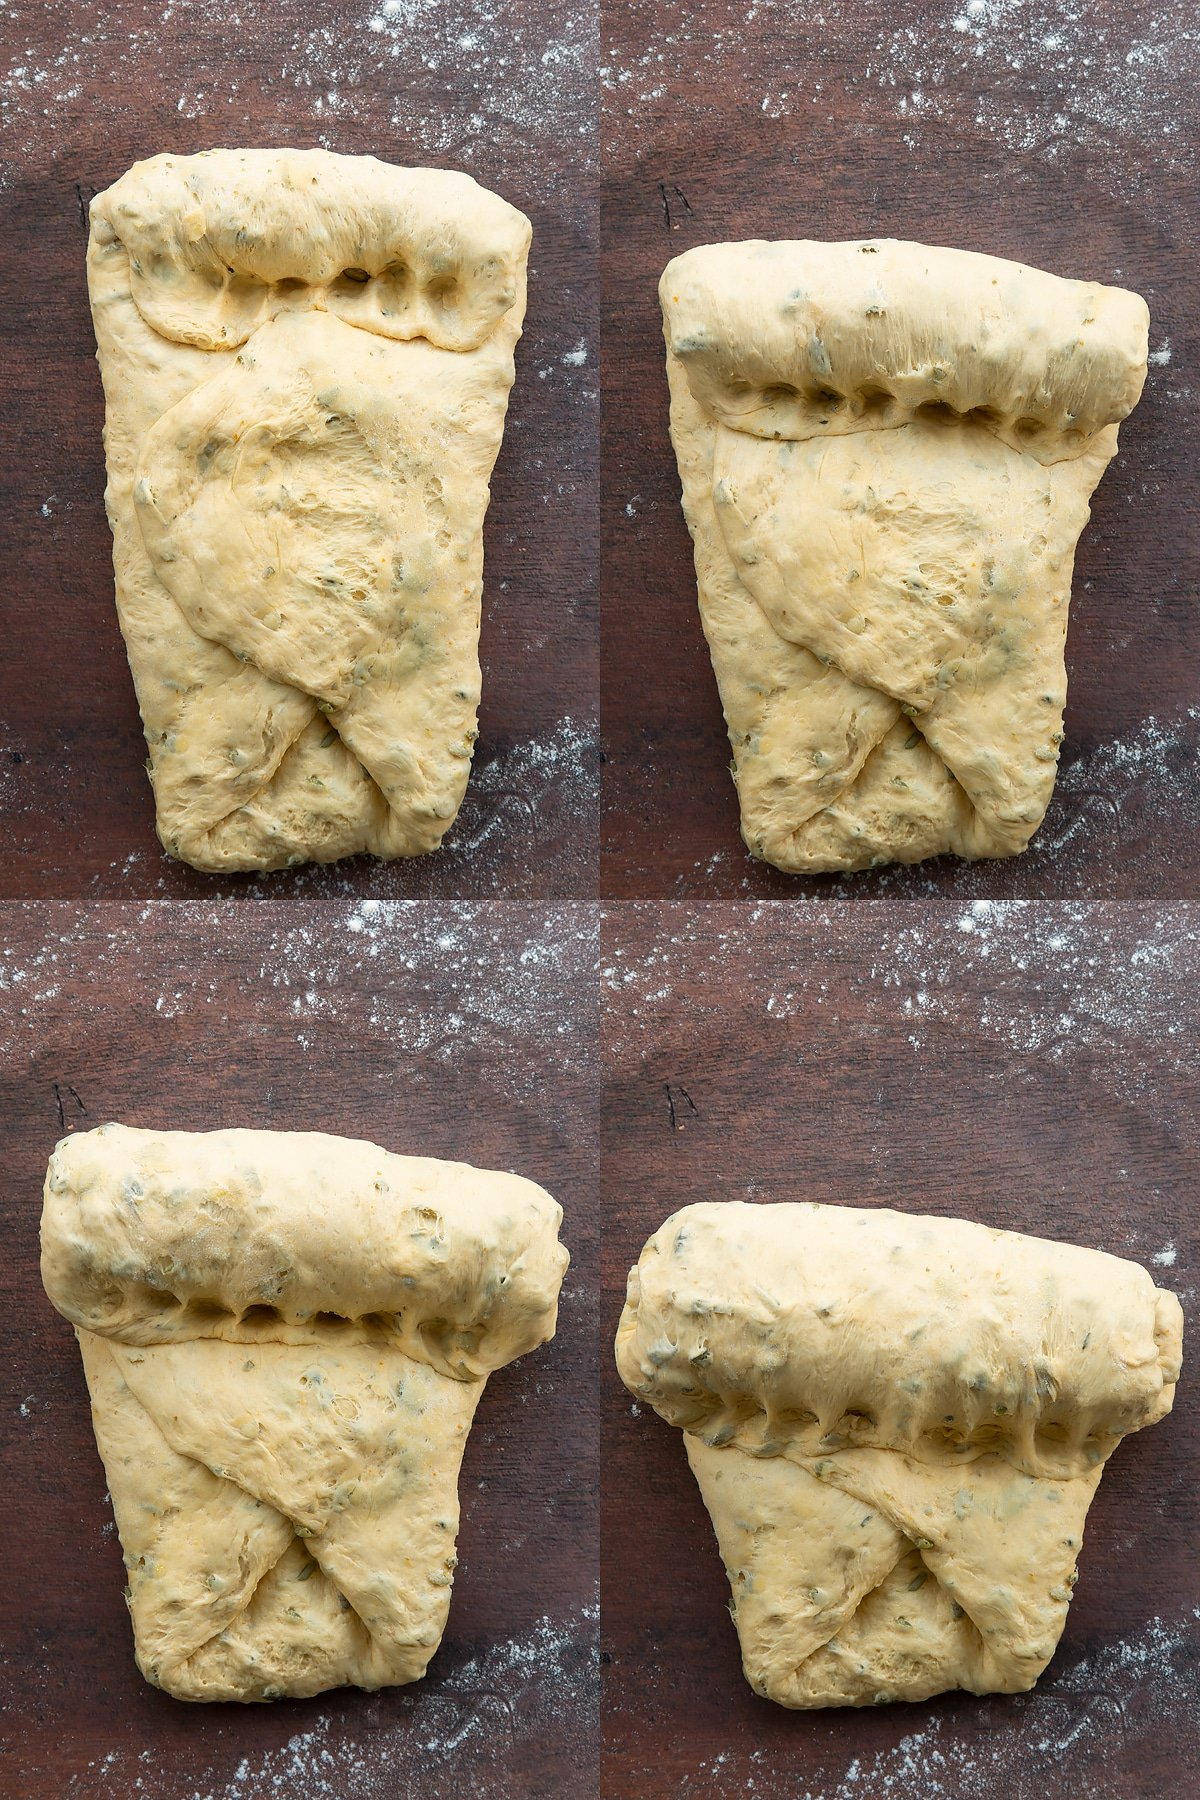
{"x":466,"y":1033}
{"x":505,"y":92}
{"x":1031,"y":1067}
{"x":1063,"y":137}
{"x":1036,"y":1068}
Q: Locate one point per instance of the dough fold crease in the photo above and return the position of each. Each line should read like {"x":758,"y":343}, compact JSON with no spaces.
{"x":306,"y":362}
{"x":897,"y":1424}
{"x":285,"y":1338}
{"x":887,"y":452}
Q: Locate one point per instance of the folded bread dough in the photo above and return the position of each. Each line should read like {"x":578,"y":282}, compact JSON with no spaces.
{"x":285,"y":1337}
{"x":886,"y":453}
{"x":306,"y":363}
{"x":897,"y":1424}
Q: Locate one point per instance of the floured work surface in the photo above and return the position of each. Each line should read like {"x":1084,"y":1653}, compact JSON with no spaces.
{"x":286,"y":1336}
{"x":306,"y":363}
{"x":488,"y":1010}
{"x":887,"y":452}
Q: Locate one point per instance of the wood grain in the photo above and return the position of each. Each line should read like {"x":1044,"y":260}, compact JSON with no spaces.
{"x":466,"y":1033}
{"x":1033,"y":1068}
{"x":732,"y":120}
{"x":99,"y":87}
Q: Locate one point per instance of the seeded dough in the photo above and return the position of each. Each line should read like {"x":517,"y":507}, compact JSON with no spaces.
{"x":286,"y":1336}
{"x":897,"y":1424}
{"x":887,"y":452}
{"x":306,"y":363}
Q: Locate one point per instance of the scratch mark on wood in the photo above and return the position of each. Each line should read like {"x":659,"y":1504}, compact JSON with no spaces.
{"x":85,"y":196}
{"x":59,"y":1090}
{"x":665,"y":195}
{"x":676,"y":1112}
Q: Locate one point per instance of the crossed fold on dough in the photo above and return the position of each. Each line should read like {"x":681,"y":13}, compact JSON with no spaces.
{"x":897,"y":1424}
{"x":285,"y":1337}
{"x":886,"y":452}
{"x":306,"y":362}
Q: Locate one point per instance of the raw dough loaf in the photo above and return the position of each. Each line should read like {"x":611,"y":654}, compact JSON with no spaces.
{"x":285,"y":1336}
{"x":897,"y":1424}
{"x":887,"y":453}
{"x":306,"y":363}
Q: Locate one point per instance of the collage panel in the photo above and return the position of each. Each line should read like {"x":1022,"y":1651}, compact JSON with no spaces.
{"x":1027,"y":1068}
{"x":463,"y":1033}
{"x":834,"y":411}
{"x":598,"y":997}
{"x":506,"y":102}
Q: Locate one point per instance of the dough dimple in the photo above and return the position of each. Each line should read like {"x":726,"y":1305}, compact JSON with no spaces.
{"x":887,"y":452}
{"x":306,"y":361}
{"x":285,"y":1337}
{"x":897,"y":1424}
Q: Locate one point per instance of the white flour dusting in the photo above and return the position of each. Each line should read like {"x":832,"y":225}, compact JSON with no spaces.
{"x":1121,"y":788}
{"x":542,"y":790}
{"x":1115,"y":986}
{"x":1042,"y":77}
{"x":541,"y":785}
{"x":435,"y":983}
{"x":462,"y":79}
{"x":1078,"y":1733}
{"x":463,"y":1727}
{"x":1078,"y":1719}
{"x":1110,"y":802}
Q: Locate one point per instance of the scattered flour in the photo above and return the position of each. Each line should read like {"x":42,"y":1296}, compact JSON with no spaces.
{"x":461,"y":1730}
{"x":542,"y":785}
{"x":542,"y":792}
{"x":1085,"y":1732}
{"x":463,"y":79}
{"x":435,"y":983}
{"x":1115,"y":986}
{"x":1114,"y":807}
{"x":1080,"y":1720}
{"x":1124,"y":787}
{"x":1041,"y":77}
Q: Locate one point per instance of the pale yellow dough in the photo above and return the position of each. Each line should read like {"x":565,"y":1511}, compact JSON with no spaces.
{"x":286,"y":1336}
{"x":306,"y":363}
{"x":887,"y":452}
{"x":897,"y":1424}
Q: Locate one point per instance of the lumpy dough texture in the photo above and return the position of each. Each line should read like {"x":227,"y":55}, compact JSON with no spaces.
{"x":306,"y":361}
{"x":897,"y":1424}
{"x":887,"y":453}
{"x":285,"y":1337}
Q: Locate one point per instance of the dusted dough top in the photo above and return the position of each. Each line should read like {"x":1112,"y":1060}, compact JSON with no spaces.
{"x":218,"y":242}
{"x":790,"y":339}
{"x":155,"y":1237}
{"x":829,"y":1327}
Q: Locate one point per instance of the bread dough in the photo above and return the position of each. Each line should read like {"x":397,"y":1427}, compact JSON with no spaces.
{"x":897,"y":1424}
{"x":306,"y":363}
{"x":886,"y":453}
{"x":285,"y":1337}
